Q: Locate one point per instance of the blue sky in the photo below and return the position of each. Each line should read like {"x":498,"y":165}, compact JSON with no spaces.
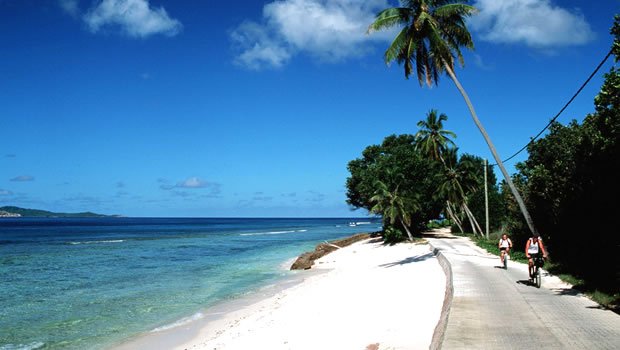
{"x":220,"y":108}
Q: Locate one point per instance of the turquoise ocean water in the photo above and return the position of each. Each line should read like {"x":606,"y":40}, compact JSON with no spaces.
{"x":90,"y":283}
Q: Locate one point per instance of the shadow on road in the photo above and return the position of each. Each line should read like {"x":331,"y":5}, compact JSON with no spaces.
{"x":566,"y":291}
{"x":474,"y":255}
{"x":526,"y":282}
{"x":438,"y":235}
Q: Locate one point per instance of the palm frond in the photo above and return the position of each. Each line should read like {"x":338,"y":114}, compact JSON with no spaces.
{"x":389,"y":18}
{"x":433,"y":33}
{"x":391,"y":54}
{"x":455,"y":10}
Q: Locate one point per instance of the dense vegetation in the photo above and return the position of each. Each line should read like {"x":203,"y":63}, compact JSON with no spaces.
{"x":396,"y":166}
{"x":413,"y":179}
{"x":570,"y":182}
{"x":47,"y":214}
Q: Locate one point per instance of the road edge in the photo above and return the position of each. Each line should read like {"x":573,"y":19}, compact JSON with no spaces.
{"x":440,"y":329}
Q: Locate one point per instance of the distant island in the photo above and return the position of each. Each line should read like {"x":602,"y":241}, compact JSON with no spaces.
{"x":14,"y":212}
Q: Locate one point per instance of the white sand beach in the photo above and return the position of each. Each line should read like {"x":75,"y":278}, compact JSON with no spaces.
{"x":372,"y":296}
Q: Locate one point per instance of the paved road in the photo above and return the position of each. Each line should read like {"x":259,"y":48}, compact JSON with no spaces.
{"x":493,"y":308}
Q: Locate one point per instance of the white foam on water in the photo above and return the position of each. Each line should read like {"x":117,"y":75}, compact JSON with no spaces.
{"x":270,"y":233}
{"x":179,"y":323}
{"x":31,"y":346}
{"x":97,"y":242}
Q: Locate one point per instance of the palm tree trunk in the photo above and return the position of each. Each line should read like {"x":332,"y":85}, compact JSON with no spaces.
{"x":454,"y":218}
{"x":498,"y":160}
{"x":471,"y":221}
{"x":453,"y":209}
{"x":473,"y":217}
{"x":407,"y":229}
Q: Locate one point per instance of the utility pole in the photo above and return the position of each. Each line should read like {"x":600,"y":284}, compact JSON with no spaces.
{"x":486,"y":198}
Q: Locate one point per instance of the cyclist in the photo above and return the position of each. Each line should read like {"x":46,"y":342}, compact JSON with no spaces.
{"x":504,"y":245}
{"x":533,"y":249}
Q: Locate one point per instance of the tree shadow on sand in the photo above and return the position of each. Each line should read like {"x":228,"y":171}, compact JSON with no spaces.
{"x":409,"y":260}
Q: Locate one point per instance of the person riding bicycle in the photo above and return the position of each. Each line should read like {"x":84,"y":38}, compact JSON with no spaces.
{"x":504,"y":245}
{"x":533,"y":249}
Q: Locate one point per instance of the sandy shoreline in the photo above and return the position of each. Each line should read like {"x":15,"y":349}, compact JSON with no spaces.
{"x":364,"y":294}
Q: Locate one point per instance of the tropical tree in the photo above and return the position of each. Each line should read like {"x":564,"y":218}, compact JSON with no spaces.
{"x":432,"y":34}
{"x":460,"y":179}
{"x":397,"y":163}
{"x":393,"y":206}
{"x":476,"y":198}
{"x":433,"y":139}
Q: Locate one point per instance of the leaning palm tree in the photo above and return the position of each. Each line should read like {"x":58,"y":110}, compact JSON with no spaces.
{"x":393,"y":206}
{"x":433,"y":139}
{"x":458,"y":178}
{"x":432,"y":34}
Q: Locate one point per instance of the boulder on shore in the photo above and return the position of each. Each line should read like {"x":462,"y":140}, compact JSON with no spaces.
{"x":306,"y":260}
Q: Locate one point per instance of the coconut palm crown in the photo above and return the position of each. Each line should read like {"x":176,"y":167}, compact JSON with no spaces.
{"x":432,"y":34}
{"x":433,"y":139}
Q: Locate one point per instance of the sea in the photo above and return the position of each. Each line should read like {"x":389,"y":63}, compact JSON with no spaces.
{"x":91,"y":283}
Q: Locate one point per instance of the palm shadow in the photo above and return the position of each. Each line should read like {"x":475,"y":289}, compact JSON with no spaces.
{"x":409,"y":260}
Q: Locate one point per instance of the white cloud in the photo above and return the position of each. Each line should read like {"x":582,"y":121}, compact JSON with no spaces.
{"x":135,"y":18}
{"x":258,"y":49}
{"x":23,"y":178}
{"x":70,"y":7}
{"x":535,"y":23}
{"x":330,"y":30}
{"x":213,"y":188}
{"x":192,"y":182}
{"x":5,"y":192}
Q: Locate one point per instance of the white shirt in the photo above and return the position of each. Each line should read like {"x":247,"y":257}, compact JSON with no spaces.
{"x":505,"y":243}
{"x":533,"y":248}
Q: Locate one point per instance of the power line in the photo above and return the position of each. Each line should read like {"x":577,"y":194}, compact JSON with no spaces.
{"x":561,"y":110}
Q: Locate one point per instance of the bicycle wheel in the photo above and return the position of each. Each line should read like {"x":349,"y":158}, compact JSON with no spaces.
{"x":505,"y":261}
{"x":537,"y":278}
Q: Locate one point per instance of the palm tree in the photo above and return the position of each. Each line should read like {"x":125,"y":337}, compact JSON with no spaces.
{"x":432,"y":139}
{"x":459,"y":178}
{"x":393,"y":206}
{"x":430,"y":41}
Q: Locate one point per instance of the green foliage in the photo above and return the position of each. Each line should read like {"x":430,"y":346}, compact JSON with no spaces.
{"x":476,"y":196}
{"x":570,"y":183}
{"x":433,"y":139}
{"x":392,"y":234}
{"x":398,"y":165}
{"x":431,"y":37}
{"x":435,"y":224}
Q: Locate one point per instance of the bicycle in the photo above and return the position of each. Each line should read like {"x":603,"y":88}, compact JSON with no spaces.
{"x":506,"y":257}
{"x":535,"y":276}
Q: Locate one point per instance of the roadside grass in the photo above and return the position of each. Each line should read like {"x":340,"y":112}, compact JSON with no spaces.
{"x":606,"y":299}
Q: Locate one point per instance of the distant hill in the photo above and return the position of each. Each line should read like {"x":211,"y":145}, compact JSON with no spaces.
{"x":10,"y":211}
